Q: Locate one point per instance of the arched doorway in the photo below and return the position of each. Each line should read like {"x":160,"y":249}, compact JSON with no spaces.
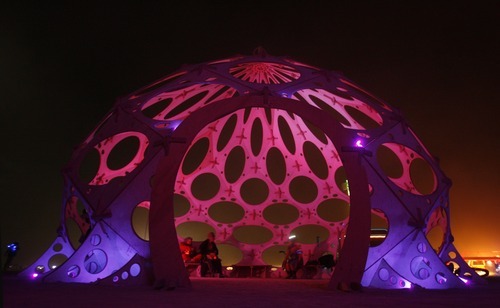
{"x":169,"y":270}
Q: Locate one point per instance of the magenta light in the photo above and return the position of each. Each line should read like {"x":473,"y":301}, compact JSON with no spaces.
{"x":34,"y":275}
{"x":359,"y":143}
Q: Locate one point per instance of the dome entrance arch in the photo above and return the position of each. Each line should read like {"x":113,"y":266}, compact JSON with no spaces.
{"x":169,"y":269}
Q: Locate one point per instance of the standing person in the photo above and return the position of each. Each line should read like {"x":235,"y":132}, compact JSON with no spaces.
{"x":10,"y":253}
{"x":210,"y":256}
{"x":293,"y":258}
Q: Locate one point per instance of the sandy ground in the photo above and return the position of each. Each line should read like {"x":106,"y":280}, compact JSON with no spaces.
{"x":239,"y":292}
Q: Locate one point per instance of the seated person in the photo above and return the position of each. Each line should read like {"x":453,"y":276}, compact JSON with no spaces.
{"x":210,"y":256}
{"x":188,"y":252}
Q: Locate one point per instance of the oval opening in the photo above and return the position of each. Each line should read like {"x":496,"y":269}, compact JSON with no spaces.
{"x":185,"y":105}
{"x":281,"y":213}
{"x":254,"y":191}
{"x":389,"y":162}
{"x":205,"y":186}
{"x":303,"y":189}
{"x":181,"y":205}
{"x":310,"y":234}
{"x":229,"y":254}
{"x":195,"y":156}
{"x":315,"y":160}
{"x":235,"y":164}
{"x":276,"y":166}
{"x":252,"y":234}
{"x":156,"y":108}
{"x":422,"y":176}
{"x":256,"y":137}
{"x":363,"y":119}
{"x":286,"y":135}
{"x":140,"y":221}
{"x":197,"y":230}
{"x":123,"y":153}
{"x":334,"y":210}
{"x":274,"y":255}
{"x":226,"y":212}
{"x":226,"y":132}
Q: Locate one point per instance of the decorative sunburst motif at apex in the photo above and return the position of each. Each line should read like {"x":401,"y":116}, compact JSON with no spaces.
{"x":264,"y":72}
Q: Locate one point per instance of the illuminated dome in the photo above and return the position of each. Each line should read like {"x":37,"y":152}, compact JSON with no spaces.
{"x":254,"y":148}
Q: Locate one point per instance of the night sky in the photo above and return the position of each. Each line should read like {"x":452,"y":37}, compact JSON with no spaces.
{"x":63,"y":66}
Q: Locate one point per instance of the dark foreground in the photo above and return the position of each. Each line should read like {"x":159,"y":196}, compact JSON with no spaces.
{"x":239,"y":292}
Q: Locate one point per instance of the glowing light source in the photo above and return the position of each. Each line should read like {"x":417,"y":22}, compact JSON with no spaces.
{"x":229,"y":268}
{"x":34,"y":275}
{"x":291,"y":237}
{"x":359,"y":143}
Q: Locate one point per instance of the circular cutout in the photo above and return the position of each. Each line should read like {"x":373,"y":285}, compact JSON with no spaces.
{"x":57,"y":260}
{"x":226,"y":212}
{"x":254,"y":191}
{"x":422,"y":176}
{"x":256,"y":137}
{"x":140,"y":222}
{"x":197,"y":230}
{"x":95,"y":240}
{"x":252,"y":234}
{"x":95,"y":261}
{"x":310,"y":234}
{"x":123,"y":153}
{"x":303,"y":189}
{"x":124,"y":275}
{"x":420,"y":268}
{"x":195,"y":156}
{"x":57,"y":247}
{"x":205,"y":186}
{"x":181,"y":205}
{"x":135,"y":270}
{"x":383,"y":274}
{"x":276,"y":165}
{"x":274,"y":255}
{"x":89,"y":165}
{"x":281,"y":213}
{"x":229,"y":254}
{"x":73,"y":271}
{"x":227,"y":132}
{"x":334,"y":210}
{"x":315,"y":160}
{"x":389,"y":162}
{"x":235,"y":164}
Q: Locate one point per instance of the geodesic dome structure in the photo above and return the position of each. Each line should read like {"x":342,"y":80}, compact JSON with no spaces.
{"x":254,"y":148}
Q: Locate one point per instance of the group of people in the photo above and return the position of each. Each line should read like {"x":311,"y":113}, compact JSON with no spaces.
{"x":207,"y":255}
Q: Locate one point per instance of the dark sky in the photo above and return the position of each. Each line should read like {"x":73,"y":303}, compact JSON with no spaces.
{"x":63,"y":66}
